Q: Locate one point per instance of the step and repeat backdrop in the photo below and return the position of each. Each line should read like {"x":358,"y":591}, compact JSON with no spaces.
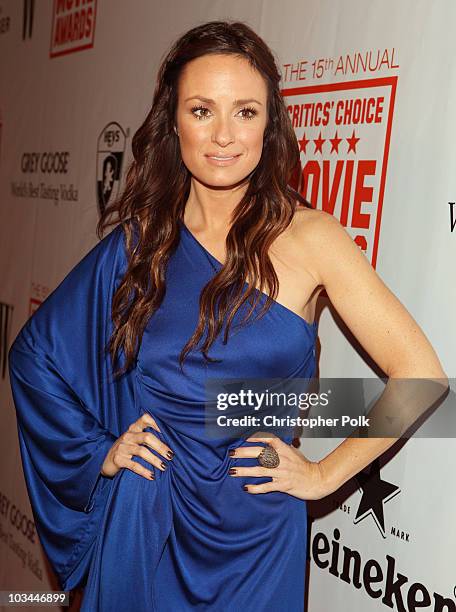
{"x":371,"y":92}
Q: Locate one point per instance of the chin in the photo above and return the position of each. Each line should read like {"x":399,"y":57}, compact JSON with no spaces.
{"x":222,"y":182}
{"x":222,"y":178}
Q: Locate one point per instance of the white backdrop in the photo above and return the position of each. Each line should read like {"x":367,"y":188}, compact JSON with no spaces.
{"x":371,"y":90}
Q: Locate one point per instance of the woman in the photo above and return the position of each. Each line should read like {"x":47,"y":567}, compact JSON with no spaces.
{"x":130,"y":498}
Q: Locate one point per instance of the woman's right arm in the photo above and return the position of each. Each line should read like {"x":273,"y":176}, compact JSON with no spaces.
{"x":70,"y":410}
{"x":62,"y":444}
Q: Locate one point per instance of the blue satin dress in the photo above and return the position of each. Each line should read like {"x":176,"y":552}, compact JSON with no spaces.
{"x":198,"y":540}
{"x":192,"y":539}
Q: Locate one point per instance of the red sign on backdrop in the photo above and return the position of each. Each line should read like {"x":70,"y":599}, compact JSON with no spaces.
{"x":73,"y":26}
{"x":344,"y":132}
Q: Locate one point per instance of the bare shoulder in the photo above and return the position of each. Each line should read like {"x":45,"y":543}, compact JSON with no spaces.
{"x":371,"y":311}
{"x":318,"y":235}
{"x":312,"y":223}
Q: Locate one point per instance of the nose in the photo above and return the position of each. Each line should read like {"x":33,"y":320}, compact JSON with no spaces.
{"x":223,"y":133}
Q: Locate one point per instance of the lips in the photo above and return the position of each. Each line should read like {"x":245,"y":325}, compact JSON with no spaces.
{"x":221,"y":157}
{"x":222,"y":161}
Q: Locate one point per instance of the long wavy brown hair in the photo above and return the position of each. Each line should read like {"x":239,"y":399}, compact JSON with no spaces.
{"x":157,"y":188}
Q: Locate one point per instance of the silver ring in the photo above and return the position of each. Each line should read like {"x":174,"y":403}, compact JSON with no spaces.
{"x":269,"y":457}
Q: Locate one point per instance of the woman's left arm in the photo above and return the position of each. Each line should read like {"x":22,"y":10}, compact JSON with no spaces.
{"x":386,"y":331}
{"x":378,"y":320}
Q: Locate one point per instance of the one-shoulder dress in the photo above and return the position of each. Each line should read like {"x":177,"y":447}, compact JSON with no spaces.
{"x":200,"y":541}
{"x":192,"y":539}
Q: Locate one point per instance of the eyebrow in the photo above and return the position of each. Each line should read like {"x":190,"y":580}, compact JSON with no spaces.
{"x":235,"y":103}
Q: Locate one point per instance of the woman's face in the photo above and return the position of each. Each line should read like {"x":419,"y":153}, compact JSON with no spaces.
{"x":221,"y":112}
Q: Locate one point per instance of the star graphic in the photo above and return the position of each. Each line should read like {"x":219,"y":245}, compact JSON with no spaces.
{"x":375,"y":493}
{"x":352,"y":141}
{"x":335,"y":143}
{"x":319,"y":143}
{"x":303,"y":143}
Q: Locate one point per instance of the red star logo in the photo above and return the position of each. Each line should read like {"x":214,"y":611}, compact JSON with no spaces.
{"x":335,"y":143}
{"x":352,"y":143}
{"x":303,"y":143}
{"x":319,"y":143}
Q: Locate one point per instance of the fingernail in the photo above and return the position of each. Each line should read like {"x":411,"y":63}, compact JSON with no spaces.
{"x":151,"y":476}
{"x":231,"y":453}
{"x":232,"y":471}
{"x":169,"y":454}
{"x":245,"y":487}
{"x":164,"y":466}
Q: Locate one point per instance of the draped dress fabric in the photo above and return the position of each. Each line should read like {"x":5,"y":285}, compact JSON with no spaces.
{"x":193,"y":539}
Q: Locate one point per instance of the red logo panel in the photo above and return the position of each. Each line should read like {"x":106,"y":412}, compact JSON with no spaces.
{"x":344,"y":132}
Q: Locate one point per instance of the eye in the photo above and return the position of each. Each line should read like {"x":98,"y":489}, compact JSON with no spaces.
{"x":250,"y":110}
{"x":199,"y":108}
